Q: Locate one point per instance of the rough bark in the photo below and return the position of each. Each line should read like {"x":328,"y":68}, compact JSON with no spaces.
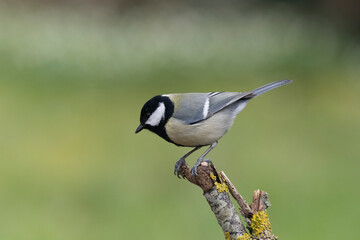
{"x":216,"y":186}
{"x":216,"y":195}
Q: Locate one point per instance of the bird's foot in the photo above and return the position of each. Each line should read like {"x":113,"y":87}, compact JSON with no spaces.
{"x":199,"y":161}
{"x":178,"y":165}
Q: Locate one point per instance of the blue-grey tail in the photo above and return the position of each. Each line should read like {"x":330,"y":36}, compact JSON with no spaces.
{"x":258,"y":91}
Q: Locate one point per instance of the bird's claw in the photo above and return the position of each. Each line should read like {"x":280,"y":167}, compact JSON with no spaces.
{"x":194,"y":168}
{"x":178,"y":165}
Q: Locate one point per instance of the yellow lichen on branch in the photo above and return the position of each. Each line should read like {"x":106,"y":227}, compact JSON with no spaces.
{"x":221,"y":187}
{"x":246,"y":236}
{"x":213,"y":177}
{"x":260,"y":223}
{"x":260,"y":226}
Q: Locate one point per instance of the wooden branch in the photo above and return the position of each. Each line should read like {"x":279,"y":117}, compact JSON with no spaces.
{"x":245,"y":209}
{"x":216,"y":195}
{"x":215,"y":186}
{"x":260,"y":202}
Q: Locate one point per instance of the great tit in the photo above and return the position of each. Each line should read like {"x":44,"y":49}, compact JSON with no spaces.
{"x":196,"y":119}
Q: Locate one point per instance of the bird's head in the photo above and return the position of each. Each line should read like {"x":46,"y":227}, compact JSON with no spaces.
{"x":155,"y":113}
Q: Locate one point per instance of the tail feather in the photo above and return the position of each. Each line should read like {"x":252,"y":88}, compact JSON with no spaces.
{"x":258,"y":91}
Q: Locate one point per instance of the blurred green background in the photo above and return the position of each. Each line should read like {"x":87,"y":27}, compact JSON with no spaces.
{"x":73,"y":78}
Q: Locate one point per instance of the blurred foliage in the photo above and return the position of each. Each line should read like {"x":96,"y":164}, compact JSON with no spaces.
{"x":73,"y":81}
{"x":345,"y":14}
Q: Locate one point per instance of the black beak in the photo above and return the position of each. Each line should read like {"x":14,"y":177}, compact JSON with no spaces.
{"x":139,"y":128}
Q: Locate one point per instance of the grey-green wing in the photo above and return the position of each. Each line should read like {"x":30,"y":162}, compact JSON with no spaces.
{"x":196,"y":107}
{"x":189,"y":106}
{"x":221,"y":100}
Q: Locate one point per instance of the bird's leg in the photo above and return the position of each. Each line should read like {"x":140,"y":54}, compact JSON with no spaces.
{"x":201,"y":159}
{"x":181,"y":161}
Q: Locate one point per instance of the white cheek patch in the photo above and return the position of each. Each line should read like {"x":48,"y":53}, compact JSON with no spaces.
{"x":156,"y":117}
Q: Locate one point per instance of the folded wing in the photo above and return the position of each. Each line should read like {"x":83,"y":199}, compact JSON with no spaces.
{"x":196,"y":107}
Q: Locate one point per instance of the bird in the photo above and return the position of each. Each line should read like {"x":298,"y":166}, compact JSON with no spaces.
{"x":196,"y":119}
